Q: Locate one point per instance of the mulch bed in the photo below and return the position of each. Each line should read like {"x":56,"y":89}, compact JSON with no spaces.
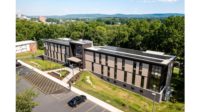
{"x":56,"y":75}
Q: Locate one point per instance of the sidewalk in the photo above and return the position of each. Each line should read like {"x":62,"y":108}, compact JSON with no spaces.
{"x":64,"y":84}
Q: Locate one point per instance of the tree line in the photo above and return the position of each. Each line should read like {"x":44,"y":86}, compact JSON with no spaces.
{"x":166,"y":35}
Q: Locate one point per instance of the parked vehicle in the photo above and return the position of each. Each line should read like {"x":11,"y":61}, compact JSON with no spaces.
{"x":77,"y":100}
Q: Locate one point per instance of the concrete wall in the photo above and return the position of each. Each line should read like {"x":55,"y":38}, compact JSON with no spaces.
{"x":103,"y":59}
{"x":137,"y":80}
{"x":129,"y":78}
{"x":111,"y":61}
{"x":145,"y":69}
{"x":129,"y":66}
{"x":88,"y":65}
{"x":97,"y":57}
{"x":144,"y":92}
{"x":119,"y":63}
{"x":120,"y":75}
{"x":97,"y":68}
{"x":105,"y":70}
{"x":89,"y":56}
{"x":112,"y":73}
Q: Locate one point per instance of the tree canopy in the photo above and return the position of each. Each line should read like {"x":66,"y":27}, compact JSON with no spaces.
{"x":166,"y":35}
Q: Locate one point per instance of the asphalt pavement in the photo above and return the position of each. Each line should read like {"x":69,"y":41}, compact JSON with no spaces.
{"x":55,"y":101}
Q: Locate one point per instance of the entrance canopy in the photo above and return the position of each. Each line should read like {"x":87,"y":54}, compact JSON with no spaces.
{"x":74,"y":59}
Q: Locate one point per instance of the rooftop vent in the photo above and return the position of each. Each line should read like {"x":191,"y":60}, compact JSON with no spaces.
{"x":154,"y":52}
{"x":64,"y":39}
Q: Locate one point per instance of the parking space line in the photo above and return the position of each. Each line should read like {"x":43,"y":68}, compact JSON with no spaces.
{"x":73,"y":110}
{"x":91,"y":108}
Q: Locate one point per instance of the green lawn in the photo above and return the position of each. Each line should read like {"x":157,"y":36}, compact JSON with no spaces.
{"x":43,"y":64}
{"x":29,"y":54}
{"x":121,"y":98}
{"x":63,"y":73}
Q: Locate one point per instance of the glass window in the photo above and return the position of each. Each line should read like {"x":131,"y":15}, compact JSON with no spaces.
{"x":125,"y":76}
{"x":79,"y":50}
{"x":155,"y":77}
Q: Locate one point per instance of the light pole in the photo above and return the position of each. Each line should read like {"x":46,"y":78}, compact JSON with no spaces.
{"x":71,"y":66}
{"x":154,"y":97}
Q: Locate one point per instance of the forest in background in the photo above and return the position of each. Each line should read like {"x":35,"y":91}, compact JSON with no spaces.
{"x":165,"y":35}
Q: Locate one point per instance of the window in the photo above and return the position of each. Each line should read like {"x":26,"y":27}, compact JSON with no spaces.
{"x":94,"y":57}
{"x":142,"y":82}
{"x":134,"y":65}
{"x":125,"y":76}
{"x":108,"y":71}
{"x":123,"y":64}
{"x":106,"y":59}
{"x":99,"y":58}
{"x":140,"y":66}
{"x":155,"y":77}
{"x":115,"y":62}
{"x":115,"y":74}
{"x":133,"y":78}
{"x":140,"y":69}
{"x":102,"y":69}
{"x":92,"y":66}
{"x":156,"y":71}
{"x":79,"y":50}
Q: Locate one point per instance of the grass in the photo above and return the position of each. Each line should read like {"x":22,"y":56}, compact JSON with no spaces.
{"x":43,"y":64}
{"x":25,"y":55}
{"x":29,"y":57}
{"x":121,"y":98}
{"x":63,"y":73}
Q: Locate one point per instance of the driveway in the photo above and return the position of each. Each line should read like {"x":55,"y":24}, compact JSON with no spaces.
{"x":52,"y":97}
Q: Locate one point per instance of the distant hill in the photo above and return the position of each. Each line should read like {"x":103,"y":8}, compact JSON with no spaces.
{"x":94,"y":16}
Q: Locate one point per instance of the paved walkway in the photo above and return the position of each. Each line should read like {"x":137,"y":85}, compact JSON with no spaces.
{"x":99,"y":102}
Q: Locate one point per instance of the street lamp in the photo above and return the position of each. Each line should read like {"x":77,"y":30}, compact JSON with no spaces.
{"x":154,"y":97}
{"x":71,"y":66}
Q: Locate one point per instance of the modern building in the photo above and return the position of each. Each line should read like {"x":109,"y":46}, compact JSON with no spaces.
{"x":66,"y":51}
{"x":24,"y":46}
{"x":137,"y":71}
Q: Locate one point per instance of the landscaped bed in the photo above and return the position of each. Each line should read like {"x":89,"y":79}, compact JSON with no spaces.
{"x":61,"y":74}
{"x":43,"y":64}
{"x":121,"y":98}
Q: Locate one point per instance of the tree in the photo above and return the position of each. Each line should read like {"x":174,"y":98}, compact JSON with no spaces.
{"x":24,"y":101}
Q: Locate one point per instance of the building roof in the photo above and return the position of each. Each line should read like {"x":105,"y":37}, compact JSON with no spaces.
{"x":24,"y":42}
{"x":74,"y":59}
{"x":149,"y":56}
{"x":58,"y":41}
{"x":66,"y":41}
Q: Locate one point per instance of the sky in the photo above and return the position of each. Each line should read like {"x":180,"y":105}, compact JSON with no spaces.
{"x":64,"y":7}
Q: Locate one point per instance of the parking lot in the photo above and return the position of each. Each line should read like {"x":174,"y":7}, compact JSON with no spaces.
{"x":52,"y":97}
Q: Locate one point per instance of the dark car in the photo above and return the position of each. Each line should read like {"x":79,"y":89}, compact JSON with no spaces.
{"x":77,"y":100}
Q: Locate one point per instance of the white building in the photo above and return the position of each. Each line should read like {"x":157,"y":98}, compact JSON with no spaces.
{"x":24,"y":46}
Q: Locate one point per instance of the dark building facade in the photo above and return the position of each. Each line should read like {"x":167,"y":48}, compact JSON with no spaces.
{"x":143,"y":72}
